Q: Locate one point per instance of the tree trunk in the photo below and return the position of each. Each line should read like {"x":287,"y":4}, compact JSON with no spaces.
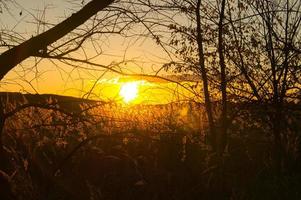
{"x":222,"y":134}
{"x":276,"y":104}
{"x":212,"y":132}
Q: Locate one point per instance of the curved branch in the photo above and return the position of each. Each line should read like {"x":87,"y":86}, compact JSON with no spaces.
{"x":12,"y":57}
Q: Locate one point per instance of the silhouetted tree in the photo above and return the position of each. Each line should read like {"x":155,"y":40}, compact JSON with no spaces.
{"x":266,"y":50}
{"x":243,"y":51}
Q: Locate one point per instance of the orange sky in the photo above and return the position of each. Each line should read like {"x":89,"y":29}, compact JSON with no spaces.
{"x":54,"y":77}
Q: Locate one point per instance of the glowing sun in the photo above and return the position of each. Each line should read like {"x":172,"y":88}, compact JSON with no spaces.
{"x":129,"y":91}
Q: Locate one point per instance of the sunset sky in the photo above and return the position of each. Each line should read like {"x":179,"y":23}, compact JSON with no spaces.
{"x":55,"y":77}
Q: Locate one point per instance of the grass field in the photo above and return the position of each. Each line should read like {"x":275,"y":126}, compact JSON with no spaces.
{"x":67,"y":148}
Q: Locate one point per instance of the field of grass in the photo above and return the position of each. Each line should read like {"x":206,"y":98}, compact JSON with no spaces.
{"x":66,"y":148}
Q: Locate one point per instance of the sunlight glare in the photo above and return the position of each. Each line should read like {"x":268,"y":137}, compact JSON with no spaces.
{"x":129,"y":91}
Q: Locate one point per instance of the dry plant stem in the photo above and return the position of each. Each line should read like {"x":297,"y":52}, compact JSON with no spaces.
{"x":3,"y":158}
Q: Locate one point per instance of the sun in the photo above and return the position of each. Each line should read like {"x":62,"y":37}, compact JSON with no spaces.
{"x":129,"y":91}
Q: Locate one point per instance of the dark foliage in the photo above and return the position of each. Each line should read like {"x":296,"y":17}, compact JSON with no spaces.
{"x":134,"y":162}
